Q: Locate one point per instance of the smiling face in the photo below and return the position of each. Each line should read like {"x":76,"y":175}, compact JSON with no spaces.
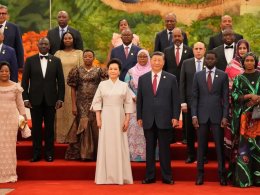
{"x":4,"y":73}
{"x":3,"y":15}
{"x":157,"y":63}
{"x":113,"y":71}
{"x":68,"y":40}
{"x":142,"y":58}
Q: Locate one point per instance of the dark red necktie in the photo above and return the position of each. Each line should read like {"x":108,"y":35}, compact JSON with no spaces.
{"x":154,"y":83}
{"x":209,"y":81}
{"x":177,"y":56}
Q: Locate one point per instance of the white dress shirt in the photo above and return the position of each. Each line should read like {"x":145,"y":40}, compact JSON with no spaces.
{"x":158,"y":78}
{"x":2,"y":29}
{"x":44,"y":63}
{"x":229,"y":53}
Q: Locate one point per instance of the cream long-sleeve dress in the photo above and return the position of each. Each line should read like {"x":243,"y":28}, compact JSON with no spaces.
{"x":12,"y":105}
{"x":113,"y":161}
{"x":64,"y":117}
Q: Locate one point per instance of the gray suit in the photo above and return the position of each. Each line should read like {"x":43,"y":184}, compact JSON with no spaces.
{"x":157,"y":111}
{"x":210,"y":107}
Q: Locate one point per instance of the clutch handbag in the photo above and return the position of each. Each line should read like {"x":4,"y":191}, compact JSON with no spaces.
{"x":256,"y":112}
{"x":25,"y":130}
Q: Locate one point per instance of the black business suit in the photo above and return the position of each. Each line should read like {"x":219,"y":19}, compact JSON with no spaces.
{"x":188,"y":70}
{"x":127,"y":63}
{"x":222,"y":62}
{"x":55,"y":39}
{"x":13,"y":39}
{"x":217,"y":40}
{"x":162,"y":41}
{"x":43,"y":93}
{"x":156,"y":112}
{"x":210,"y":107}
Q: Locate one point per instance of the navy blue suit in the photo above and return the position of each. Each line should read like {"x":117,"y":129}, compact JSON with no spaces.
{"x":210,"y":107}
{"x":13,"y":39}
{"x":8,"y":54}
{"x":127,"y":63}
{"x":156,"y":112}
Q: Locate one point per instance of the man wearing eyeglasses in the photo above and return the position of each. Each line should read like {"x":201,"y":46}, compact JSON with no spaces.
{"x":12,"y":35}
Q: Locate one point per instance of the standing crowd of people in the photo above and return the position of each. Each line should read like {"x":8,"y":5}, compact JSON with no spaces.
{"x":127,"y":112}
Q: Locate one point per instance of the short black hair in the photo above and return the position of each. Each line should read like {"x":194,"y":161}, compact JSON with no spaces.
{"x":62,"y":45}
{"x":249,"y":54}
{"x":89,"y":50}
{"x":212,"y":52}
{"x":115,"y":61}
{"x":157,"y":53}
{"x":5,"y":63}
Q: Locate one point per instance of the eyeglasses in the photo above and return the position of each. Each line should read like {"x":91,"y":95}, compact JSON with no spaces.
{"x":3,"y":14}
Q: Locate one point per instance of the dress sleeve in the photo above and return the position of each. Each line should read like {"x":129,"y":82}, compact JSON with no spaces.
{"x":73,"y":77}
{"x":103,"y":74}
{"x":19,"y":100}
{"x":97,"y":100}
{"x":129,"y":105}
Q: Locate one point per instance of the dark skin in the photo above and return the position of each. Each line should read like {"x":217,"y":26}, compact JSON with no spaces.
{"x":44,"y":47}
{"x":177,"y":37}
{"x":63,"y":19}
{"x":210,"y":63}
{"x":228,"y":36}
{"x":253,"y":99}
{"x":127,"y":36}
{"x":170,"y":21}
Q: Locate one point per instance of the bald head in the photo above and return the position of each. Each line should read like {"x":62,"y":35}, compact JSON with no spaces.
{"x":170,"y":21}
{"x":177,"y":36}
{"x":127,"y":36}
{"x":63,"y":19}
{"x":226,"y":22}
{"x":199,"y":50}
{"x":228,"y":36}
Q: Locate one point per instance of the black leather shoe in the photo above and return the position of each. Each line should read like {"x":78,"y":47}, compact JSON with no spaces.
{"x":199,"y":181}
{"x":49,"y":158}
{"x":148,"y":181}
{"x":35,"y":159}
{"x":223,"y":181}
{"x":190,"y":160}
{"x":168,"y":181}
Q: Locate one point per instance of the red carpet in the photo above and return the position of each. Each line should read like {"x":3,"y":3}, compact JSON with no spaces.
{"x":75,"y":187}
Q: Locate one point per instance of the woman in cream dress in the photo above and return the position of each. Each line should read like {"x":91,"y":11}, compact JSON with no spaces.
{"x":70,"y":57}
{"x":113,"y":104}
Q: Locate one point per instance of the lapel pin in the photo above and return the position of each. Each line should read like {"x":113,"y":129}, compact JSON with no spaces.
{"x":6,"y":27}
{"x":216,"y":75}
{"x":49,"y":60}
{"x":164,"y":77}
{"x":253,"y":82}
{"x":185,"y":51}
{"x":3,"y":52}
{"x":132,"y":54}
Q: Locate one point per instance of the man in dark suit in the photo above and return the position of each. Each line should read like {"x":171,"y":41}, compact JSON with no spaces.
{"x":158,"y":110}
{"x":174,"y":56}
{"x":226,"y":52}
{"x":215,"y":41}
{"x":127,"y":53}
{"x":43,"y":83}
{"x":210,"y":111}
{"x":54,"y":35}
{"x":188,"y":69}
{"x":8,"y":54}
{"x":164,"y":38}
{"x":12,"y":35}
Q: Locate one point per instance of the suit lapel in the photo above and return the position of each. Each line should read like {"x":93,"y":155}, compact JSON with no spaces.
{"x":48,"y":65}
{"x":165,"y":37}
{"x":149,"y":81}
{"x":161,"y":82}
{"x":193,"y":66}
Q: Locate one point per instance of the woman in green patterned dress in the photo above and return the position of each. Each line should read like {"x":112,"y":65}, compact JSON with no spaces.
{"x":246,"y":96}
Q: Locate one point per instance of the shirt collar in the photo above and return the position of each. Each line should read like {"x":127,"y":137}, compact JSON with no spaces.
{"x":129,"y":46}
{"x":212,"y":70}
{"x":169,"y":31}
{"x":65,"y":28}
{"x":4,"y":24}
{"x":233,"y":44}
{"x":201,"y":60}
{"x":181,"y":46}
{"x":47,"y":54}
{"x":158,"y":74}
